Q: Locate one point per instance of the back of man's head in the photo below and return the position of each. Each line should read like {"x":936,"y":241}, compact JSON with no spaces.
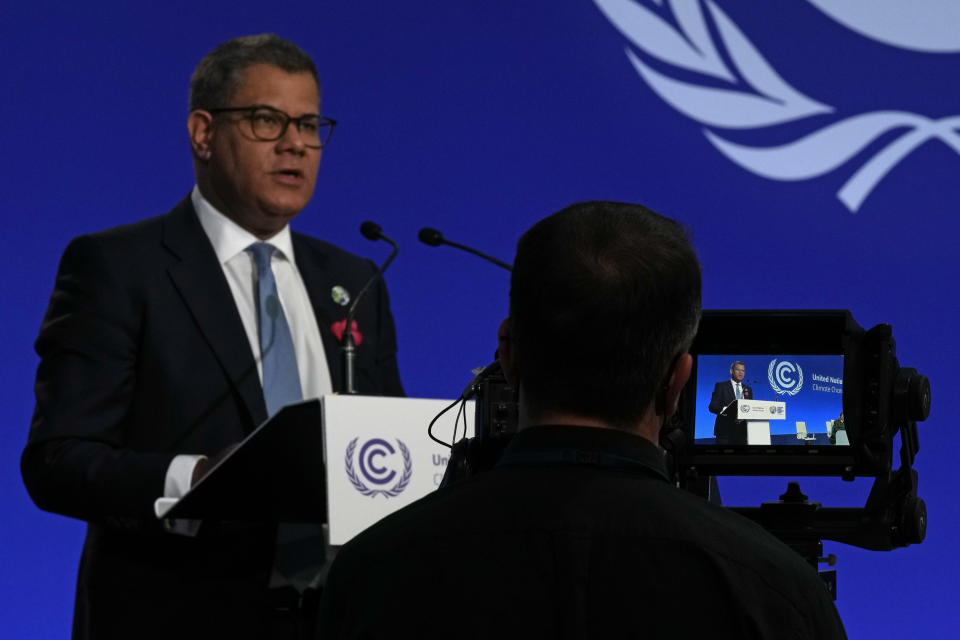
{"x":603,"y":297}
{"x":218,"y":74}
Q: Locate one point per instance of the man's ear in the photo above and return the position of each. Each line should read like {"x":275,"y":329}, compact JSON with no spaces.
{"x":200,"y":128}
{"x":676,"y":379}
{"x":505,"y":352}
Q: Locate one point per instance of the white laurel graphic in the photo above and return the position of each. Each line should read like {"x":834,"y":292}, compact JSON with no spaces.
{"x":758,"y":97}
{"x":779,"y":377}
{"x":931,"y":26}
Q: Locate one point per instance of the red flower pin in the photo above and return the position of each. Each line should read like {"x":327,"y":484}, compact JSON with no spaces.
{"x":337,"y":329}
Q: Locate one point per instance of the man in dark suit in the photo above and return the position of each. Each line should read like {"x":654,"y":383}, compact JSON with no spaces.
{"x":578,"y":532}
{"x":726,"y":428}
{"x":152,"y":355}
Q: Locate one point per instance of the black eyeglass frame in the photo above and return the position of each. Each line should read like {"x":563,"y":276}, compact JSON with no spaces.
{"x":322,"y":121}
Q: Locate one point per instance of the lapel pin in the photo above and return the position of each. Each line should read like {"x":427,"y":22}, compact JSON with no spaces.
{"x":340,"y":295}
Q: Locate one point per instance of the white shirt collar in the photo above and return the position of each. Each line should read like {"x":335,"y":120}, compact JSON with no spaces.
{"x":227,"y":237}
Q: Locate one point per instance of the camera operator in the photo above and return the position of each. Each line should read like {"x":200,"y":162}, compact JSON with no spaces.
{"x":577,"y":531}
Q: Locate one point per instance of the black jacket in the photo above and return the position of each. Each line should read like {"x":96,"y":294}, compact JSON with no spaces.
{"x":143,"y":356}
{"x":578,"y":535}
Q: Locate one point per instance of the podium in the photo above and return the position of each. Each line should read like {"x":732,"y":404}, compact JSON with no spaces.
{"x":346,"y":461}
{"x":379,"y":457}
{"x":276,"y":474}
{"x":758,"y":414}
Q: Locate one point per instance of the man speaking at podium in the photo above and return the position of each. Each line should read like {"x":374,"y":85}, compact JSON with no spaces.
{"x":171,"y":339}
{"x":726,"y":428}
{"x":577,"y":532}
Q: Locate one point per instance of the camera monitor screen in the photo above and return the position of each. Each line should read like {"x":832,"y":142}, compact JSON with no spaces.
{"x":769,"y":400}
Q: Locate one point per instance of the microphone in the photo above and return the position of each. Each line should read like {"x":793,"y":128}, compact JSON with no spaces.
{"x":348,"y":349}
{"x":372,"y":231}
{"x":434,"y":238}
{"x":430,"y":236}
{"x":723,"y":412}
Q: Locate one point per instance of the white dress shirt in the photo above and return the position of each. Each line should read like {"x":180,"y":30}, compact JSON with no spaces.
{"x":230,"y":241}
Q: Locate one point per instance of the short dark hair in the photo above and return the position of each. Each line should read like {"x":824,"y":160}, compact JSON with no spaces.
{"x":216,"y":77}
{"x":603,"y":297}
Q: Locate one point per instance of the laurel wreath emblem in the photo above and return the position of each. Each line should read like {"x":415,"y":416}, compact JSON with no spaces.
{"x":774,"y":377}
{"x":756,"y":97}
{"x":392,"y":492}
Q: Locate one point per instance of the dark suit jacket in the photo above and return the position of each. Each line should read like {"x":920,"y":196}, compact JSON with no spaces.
{"x":143,"y":356}
{"x":727,"y":428}
{"x":581,"y":535}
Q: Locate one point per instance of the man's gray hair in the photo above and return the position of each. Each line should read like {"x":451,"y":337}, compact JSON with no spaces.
{"x":216,"y":77}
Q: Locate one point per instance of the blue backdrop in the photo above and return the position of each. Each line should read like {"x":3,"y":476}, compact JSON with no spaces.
{"x":812,"y":152}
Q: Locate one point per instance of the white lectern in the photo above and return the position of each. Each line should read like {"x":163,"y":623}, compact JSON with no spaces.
{"x":758,"y":414}
{"x":379,"y":457}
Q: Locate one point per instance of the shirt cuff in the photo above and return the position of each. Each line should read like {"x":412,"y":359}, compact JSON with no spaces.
{"x":176,"y":485}
{"x":179,"y":475}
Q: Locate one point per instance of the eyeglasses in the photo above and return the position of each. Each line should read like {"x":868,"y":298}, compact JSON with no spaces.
{"x":269,"y":124}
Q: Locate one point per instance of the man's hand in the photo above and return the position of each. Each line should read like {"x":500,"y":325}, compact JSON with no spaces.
{"x":205,"y":464}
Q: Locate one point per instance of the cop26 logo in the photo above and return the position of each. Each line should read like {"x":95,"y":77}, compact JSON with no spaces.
{"x":754,"y":96}
{"x":785,"y":377}
{"x":374,"y":461}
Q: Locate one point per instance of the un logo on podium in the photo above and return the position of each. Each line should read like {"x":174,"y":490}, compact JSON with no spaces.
{"x":379,"y":469}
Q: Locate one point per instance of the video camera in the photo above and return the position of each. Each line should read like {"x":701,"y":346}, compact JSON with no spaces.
{"x":826,"y":398}
{"x":829,"y":400}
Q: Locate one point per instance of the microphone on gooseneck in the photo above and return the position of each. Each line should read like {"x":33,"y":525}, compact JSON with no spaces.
{"x":348,"y":349}
{"x":723,"y":412}
{"x":372,"y":231}
{"x":434,"y":238}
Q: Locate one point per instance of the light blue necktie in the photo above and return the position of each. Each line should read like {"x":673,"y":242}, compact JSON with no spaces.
{"x":299,"y":550}
{"x":281,"y":380}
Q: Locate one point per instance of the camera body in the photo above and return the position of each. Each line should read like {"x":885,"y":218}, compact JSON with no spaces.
{"x":816,"y":367}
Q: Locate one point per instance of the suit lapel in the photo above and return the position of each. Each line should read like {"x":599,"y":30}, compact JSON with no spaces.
{"x":314,"y":269}
{"x":199,"y":279}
